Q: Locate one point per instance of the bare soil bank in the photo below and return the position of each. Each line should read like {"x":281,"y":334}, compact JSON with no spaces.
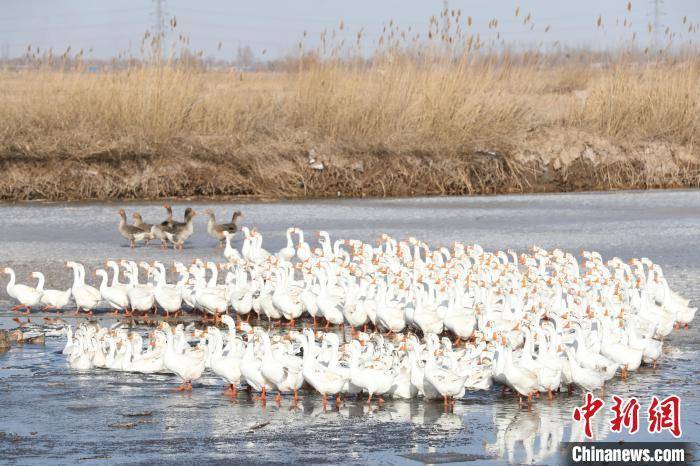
{"x":555,"y":160}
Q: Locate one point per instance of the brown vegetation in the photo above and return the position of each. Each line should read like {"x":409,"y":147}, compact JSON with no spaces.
{"x":412,"y":120}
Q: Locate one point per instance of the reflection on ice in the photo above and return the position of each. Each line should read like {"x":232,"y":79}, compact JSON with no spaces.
{"x":533,"y":435}
{"x":399,"y":411}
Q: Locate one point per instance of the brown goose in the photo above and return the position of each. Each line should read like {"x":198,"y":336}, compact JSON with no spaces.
{"x":131,"y":232}
{"x":217,"y":231}
{"x":158,"y":230}
{"x":168,"y":222}
{"x":179,"y":232}
{"x":139,"y":223}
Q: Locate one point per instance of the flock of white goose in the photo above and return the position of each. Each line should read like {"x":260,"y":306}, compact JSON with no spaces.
{"x":534,"y":322}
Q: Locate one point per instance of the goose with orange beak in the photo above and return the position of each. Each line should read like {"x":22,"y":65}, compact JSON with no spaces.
{"x":25,"y":295}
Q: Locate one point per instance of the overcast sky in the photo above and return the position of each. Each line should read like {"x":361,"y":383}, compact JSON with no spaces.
{"x":277,"y":25}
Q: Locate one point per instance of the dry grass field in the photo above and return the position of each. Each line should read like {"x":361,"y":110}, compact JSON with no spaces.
{"x":407,"y":121}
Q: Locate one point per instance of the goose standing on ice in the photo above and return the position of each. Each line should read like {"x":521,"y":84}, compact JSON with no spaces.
{"x":180,"y":232}
{"x":187,"y":365}
{"x":217,"y":231}
{"x":130,"y":232}
{"x":116,"y":297}
{"x":158,"y":230}
{"x":86,"y":297}
{"x":139,"y":223}
{"x":26,"y":295}
{"x":51,"y":299}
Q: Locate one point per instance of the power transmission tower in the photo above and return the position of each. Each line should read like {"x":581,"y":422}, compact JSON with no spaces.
{"x":159,"y":25}
{"x":159,"y":14}
{"x":657,"y":13}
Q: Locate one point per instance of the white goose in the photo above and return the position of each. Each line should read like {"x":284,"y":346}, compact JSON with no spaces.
{"x":68,"y":348}
{"x":257,"y":254}
{"x":242,"y":293}
{"x":447,"y":382}
{"x":329,"y":304}
{"x":115,"y":297}
{"x":324,"y":380}
{"x":288,"y":252}
{"x":309,"y":299}
{"x":372,"y":380}
{"x":115,"y":276}
{"x":230,"y":253}
{"x":27,"y":296}
{"x":251,"y":368}
{"x":459,"y":320}
{"x":587,"y":379}
{"x":651,"y":348}
{"x":225,"y":365}
{"x":80,"y":358}
{"x":283,"y":370}
{"x":86,"y":297}
{"x":188,"y":366}
{"x":418,"y":379}
{"x":354,"y":308}
{"x":168,"y":297}
{"x":287,"y":298}
{"x":523,"y":381}
{"x":613,"y":347}
{"x":591,"y":358}
{"x":151,"y":361}
{"x":303,"y":248}
{"x":390,"y":313}
{"x":210,"y":300}
{"x":140,"y":296}
{"x":51,"y":299}
{"x":428,"y":320}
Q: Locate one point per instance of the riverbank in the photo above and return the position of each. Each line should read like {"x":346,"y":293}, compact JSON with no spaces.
{"x":400,"y":125}
{"x":548,"y":161}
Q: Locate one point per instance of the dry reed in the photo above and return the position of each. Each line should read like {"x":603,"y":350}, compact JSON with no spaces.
{"x":169,"y":128}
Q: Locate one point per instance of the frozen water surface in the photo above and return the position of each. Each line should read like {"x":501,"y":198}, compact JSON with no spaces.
{"x":52,"y":415}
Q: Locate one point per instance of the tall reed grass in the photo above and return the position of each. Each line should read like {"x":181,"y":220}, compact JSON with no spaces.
{"x":397,"y":107}
{"x":453,"y":99}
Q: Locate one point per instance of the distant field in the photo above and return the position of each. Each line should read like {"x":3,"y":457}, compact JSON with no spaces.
{"x":404,"y":122}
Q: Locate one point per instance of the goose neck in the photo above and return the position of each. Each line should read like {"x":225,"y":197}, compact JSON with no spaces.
{"x":11,"y":283}
{"x":40,"y":284}
{"x":103,"y":275}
